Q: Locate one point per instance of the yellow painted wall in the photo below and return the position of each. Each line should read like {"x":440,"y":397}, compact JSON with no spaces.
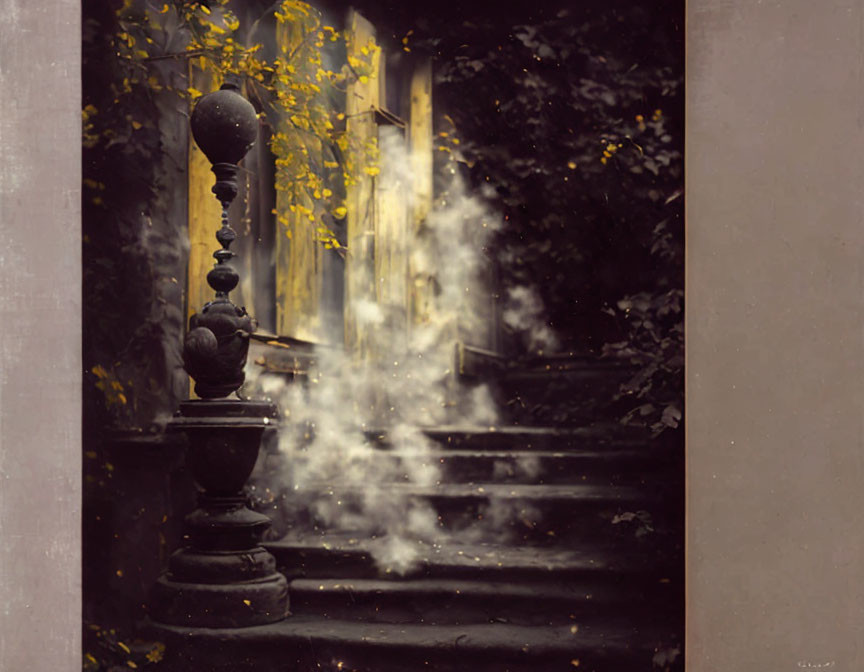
{"x":363,"y":98}
{"x":421,"y":145}
{"x":298,"y":252}
{"x":205,"y":211}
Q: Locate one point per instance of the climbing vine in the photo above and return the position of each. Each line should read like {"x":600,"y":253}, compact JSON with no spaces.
{"x":147,"y":64}
{"x":294,"y":80}
{"x":570,"y":123}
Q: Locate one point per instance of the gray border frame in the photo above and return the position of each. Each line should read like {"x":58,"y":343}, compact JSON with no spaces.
{"x":40,"y":349}
{"x":775,"y":335}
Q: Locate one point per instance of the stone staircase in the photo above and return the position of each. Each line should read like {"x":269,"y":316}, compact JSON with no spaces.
{"x":560,"y":548}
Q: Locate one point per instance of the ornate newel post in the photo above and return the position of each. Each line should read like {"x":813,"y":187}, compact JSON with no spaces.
{"x":223,"y":578}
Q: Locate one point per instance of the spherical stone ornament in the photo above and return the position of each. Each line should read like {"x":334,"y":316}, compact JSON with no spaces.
{"x":202,"y":343}
{"x":223,"y":278}
{"x":217,"y":373}
{"x":225,"y":125}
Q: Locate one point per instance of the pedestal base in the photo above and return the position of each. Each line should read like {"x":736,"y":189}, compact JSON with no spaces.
{"x":231,"y":605}
{"x":224,"y":578}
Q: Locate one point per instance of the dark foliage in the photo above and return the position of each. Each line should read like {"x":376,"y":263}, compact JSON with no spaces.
{"x":570,"y":121}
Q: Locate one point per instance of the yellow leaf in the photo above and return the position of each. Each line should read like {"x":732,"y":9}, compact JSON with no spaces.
{"x":164,"y":9}
{"x":195,"y":93}
{"x":156,"y":653}
{"x":136,"y":125}
{"x":372,"y":170}
{"x":340,"y":212}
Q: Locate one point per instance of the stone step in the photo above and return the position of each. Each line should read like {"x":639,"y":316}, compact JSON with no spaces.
{"x":556,"y":392}
{"x":614,"y":466}
{"x":523,"y":437}
{"x":449,"y":601}
{"x":345,"y":557}
{"x":515,"y":512}
{"x":466,"y":493}
{"x":304,"y":644}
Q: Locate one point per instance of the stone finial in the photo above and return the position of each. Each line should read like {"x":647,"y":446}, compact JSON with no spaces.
{"x":225,"y":126}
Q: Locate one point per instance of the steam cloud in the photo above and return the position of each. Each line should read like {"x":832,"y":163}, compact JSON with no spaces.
{"x":327,"y":473}
{"x":524,"y":313}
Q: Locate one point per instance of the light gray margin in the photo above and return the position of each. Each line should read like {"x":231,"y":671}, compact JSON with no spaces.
{"x":40,"y":313}
{"x":775,"y":335}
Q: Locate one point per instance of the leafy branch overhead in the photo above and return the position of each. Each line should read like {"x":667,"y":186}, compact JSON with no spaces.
{"x":147,"y":63}
{"x":289,"y":62}
{"x":572,"y":126}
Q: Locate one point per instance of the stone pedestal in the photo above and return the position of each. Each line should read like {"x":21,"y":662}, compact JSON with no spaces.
{"x":224,"y":578}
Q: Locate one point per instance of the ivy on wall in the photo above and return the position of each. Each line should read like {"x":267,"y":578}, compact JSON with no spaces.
{"x":142,"y":61}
